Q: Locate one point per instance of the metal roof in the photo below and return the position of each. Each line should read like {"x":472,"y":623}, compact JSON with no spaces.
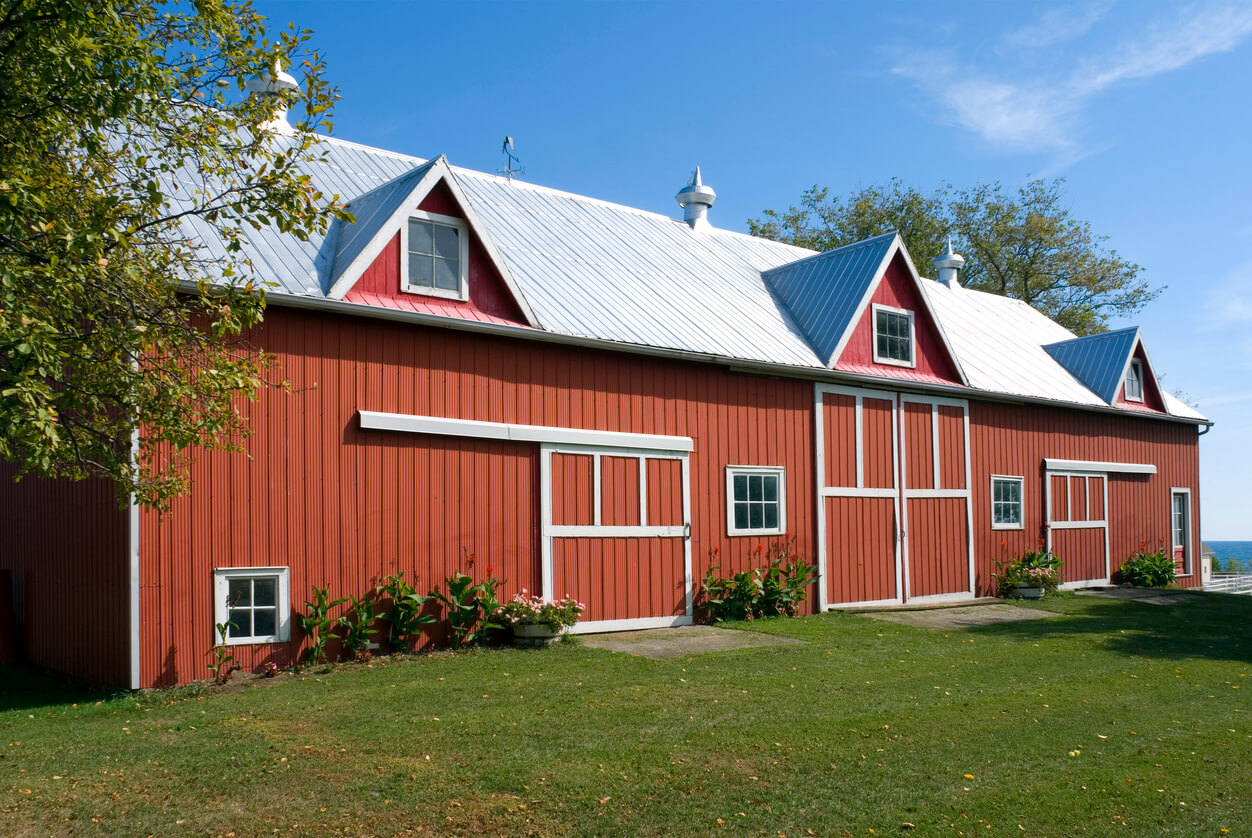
{"x":588,"y":268}
{"x":1099,"y":361}
{"x":824,"y":292}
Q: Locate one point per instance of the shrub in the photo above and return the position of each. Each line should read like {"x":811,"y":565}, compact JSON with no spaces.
{"x":1038,"y":568}
{"x":359,"y":627}
{"x":317,"y":622}
{"x":472,"y":606}
{"x":775,"y":590}
{"x":1148,"y":569}
{"x":406,"y":615}
{"x":524,"y":610}
{"x":223,"y":659}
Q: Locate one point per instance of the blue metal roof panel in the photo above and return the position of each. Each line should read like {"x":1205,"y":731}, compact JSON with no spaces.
{"x":823,"y":292}
{"x":370,"y":212}
{"x":1097,"y":360}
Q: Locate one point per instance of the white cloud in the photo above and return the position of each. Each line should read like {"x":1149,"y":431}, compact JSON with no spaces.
{"x":1229,"y":302}
{"x":1019,"y":112}
{"x":1056,"y":25}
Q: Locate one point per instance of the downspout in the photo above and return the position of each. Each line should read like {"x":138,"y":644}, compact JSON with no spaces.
{"x":132,"y":551}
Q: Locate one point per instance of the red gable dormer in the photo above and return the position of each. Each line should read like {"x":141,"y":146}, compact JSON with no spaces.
{"x":899,"y":298}
{"x":1152,"y":401}
{"x":417,"y":245}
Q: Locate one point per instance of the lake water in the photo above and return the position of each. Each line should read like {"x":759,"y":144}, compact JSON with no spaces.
{"x":1225,"y":550}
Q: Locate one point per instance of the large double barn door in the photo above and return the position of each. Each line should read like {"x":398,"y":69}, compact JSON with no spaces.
{"x":616,"y":534}
{"x":895,"y":522}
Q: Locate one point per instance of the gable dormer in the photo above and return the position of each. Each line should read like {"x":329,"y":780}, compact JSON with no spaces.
{"x":1115,"y":366}
{"x":417,"y":244}
{"x":862,"y":308}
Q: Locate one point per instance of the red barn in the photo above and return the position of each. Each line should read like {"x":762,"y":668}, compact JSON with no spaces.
{"x":592,"y":399}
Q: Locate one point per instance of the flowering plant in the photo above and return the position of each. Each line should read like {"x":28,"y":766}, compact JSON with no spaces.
{"x":1036,"y":568}
{"x":1148,"y":569}
{"x":528,"y":610}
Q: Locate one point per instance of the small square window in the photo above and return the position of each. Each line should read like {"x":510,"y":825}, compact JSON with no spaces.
{"x":893,"y":336}
{"x":1006,"y":503}
{"x":755,"y":500}
{"x":435,"y":256}
{"x":1134,"y":381}
{"x":253,"y":603}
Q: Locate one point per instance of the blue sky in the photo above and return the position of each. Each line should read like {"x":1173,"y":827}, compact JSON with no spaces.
{"x":1142,"y":107}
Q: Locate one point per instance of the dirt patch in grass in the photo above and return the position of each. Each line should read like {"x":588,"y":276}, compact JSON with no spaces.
{"x":683,"y":640}
{"x":947,"y":619}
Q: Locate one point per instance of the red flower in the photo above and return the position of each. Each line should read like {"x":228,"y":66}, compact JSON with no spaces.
{"x":470,"y":559}
{"x":491,"y":571}
{"x":759,"y":546}
{"x":788,"y":535}
{"x":717,"y":549}
{"x":1004,"y":544}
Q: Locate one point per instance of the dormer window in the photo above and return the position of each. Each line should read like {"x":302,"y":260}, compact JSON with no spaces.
{"x":436,"y":256}
{"x":893,"y":336}
{"x":1134,"y":381}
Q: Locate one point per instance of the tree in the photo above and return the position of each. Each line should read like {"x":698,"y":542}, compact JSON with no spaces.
{"x":122,"y":126}
{"x":1027,"y":246}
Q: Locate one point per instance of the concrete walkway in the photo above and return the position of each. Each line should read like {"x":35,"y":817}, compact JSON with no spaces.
{"x":683,"y":640}
{"x":1152,"y":596}
{"x":963,"y":617}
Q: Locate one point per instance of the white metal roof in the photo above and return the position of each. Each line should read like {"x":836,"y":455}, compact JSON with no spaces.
{"x":591,"y":269}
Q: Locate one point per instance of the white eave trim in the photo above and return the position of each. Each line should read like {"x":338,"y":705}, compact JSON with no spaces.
{"x":1095,"y":466}
{"x":439,"y":426}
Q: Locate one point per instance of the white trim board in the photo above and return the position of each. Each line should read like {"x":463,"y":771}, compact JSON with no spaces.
{"x":602,"y":626}
{"x":439,"y":426}
{"x":1093,"y":465}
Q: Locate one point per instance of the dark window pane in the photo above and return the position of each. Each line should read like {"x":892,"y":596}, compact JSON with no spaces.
{"x":421,"y":271}
{"x":446,"y":242}
{"x":741,"y":487}
{"x":420,"y":238}
{"x":264,"y":622}
{"x":240,"y":622}
{"x":771,"y":487}
{"x":265,"y":591}
{"x":755,"y":516}
{"x":447,"y":275}
{"x":239,"y":592}
{"x":741,"y":516}
{"x":754,"y":487}
{"x":771,"y":516}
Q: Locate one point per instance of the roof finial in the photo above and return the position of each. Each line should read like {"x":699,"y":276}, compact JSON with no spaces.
{"x":949,"y":265}
{"x":274,"y":84}
{"x":695,"y":199}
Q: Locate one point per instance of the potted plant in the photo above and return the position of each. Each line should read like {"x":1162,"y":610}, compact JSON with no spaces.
{"x":538,"y":622}
{"x":1035,"y":574}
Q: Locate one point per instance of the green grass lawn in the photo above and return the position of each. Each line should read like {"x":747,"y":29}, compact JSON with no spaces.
{"x":1119,"y":718}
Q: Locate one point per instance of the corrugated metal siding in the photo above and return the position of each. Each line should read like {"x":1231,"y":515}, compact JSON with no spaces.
{"x":664,"y":487}
{"x":66,"y":545}
{"x":839,"y":445}
{"x":346,"y":507}
{"x":572,"y":490}
{"x":621,"y":578}
{"x":878,"y":446}
{"x":919,"y":457}
{"x":1014,"y":440}
{"x":619,"y":491}
{"x":951,"y":447}
{"x":860,"y":549}
{"x":932,"y":361}
{"x":1082,"y":550}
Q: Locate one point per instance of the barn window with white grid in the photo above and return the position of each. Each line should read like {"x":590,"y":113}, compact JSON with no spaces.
{"x":1006,"y":503}
{"x":435,"y":255}
{"x":253,"y":603}
{"x":755,"y":500}
{"x":893,"y":336}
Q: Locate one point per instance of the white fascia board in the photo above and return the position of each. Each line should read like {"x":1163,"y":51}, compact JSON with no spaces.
{"x":439,"y":426}
{"x":1103,"y":467}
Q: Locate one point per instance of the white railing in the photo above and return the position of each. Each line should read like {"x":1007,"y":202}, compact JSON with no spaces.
{"x":1230,"y":583}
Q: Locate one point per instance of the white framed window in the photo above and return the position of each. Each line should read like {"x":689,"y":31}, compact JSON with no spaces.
{"x":435,"y":251}
{"x":893,"y":336}
{"x":1180,"y":527}
{"x":1134,"y":381}
{"x":1006,"y":502}
{"x":255,"y":602}
{"x":756,"y":500}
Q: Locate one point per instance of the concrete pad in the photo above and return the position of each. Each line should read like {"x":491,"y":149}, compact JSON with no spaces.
{"x":683,"y":640}
{"x":971,"y":616}
{"x":1152,"y":596}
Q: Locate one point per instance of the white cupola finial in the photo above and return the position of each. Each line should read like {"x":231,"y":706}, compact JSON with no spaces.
{"x":695,"y":198}
{"x":274,"y":85}
{"x":949,"y":265}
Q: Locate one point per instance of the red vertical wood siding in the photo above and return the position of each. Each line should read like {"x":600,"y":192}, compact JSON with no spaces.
{"x":665,"y":499}
{"x":619,"y":491}
{"x":1082,"y":551}
{"x":1095,"y":497}
{"x":573,"y":495}
{"x":621,"y":578}
{"x":1152,"y":400}
{"x":932,"y":360}
{"x":877,"y":421}
{"x":343,"y":507}
{"x":1014,"y":440}
{"x":1061,"y":505}
{"x":839,"y":430}
{"x":938,"y":546}
{"x":489,"y":298}
{"x":951,"y":447}
{"x":66,"y":545}
{"x":860,"y":549}
{"x":919,"y":447}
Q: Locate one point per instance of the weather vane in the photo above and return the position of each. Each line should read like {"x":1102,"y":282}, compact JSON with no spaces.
{"x":511,"y":160}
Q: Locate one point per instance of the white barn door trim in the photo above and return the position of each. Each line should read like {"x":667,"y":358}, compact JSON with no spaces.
{"x":1082,"y":524}
{"x":550,"y":531}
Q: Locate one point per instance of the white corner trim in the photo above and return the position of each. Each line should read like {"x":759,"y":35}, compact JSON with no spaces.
{"x":439,"y":426}
{"x":1093,"y":465}
{"x":132,"y":548}
{"x":597,"y":626}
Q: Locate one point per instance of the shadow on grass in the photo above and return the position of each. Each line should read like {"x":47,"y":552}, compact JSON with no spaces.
{"x":1219,"y":626}
{"x":25,"y":688}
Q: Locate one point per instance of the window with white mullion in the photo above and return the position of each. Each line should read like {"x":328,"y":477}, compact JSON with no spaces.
{"x":755,"y":500}
{"x":1134,"y":381}
{"x":253,"y":603}
{"x":893,"y":336}
{"x":1007,"y":505}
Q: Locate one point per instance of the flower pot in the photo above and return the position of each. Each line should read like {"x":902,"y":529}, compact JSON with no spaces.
{"x":1028,"y":591}
{"x":531,"y":634}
